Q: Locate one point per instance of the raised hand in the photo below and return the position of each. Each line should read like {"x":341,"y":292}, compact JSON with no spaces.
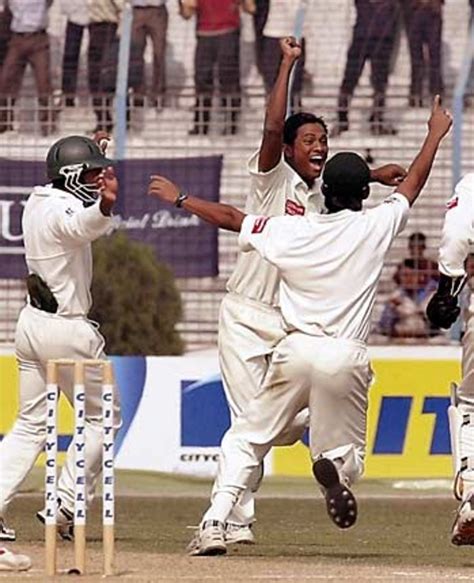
{"x":107,"y":187}
{"x":290,"y":48}
{"x":162,"y":188}
{"x":440,"y":120}
{"x":389,"y":174}
{"x":102,"y":139}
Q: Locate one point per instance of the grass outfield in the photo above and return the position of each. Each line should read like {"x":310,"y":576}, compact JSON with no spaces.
{"x":400,"y":535}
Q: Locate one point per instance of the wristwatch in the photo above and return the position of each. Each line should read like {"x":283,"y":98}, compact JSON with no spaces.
{"x":182,"y":196}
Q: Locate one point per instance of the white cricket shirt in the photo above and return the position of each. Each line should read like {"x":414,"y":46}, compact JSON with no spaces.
{"x":458,"y":228}
{"x":58,"y":232}
{"x":329,"y":264}
{"x":275,"y":193}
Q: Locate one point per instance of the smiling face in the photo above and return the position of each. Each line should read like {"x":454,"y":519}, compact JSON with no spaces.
{"x":308,"y":153}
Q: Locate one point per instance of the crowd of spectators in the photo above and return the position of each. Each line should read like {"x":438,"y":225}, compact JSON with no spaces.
{"x":24,"y":41}
{"x":416,"y":279}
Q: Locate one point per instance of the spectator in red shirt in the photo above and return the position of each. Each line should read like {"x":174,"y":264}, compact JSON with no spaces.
{"x":218,"y":45}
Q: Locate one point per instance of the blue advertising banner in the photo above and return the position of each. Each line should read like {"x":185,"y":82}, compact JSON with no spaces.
{"x":187,"y":244}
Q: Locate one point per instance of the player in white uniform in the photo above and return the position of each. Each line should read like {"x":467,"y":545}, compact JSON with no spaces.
{"x":284,"y":181}
{"x":329,"y":265}
{"x":443,"y":310}
{"x":59,"y":222}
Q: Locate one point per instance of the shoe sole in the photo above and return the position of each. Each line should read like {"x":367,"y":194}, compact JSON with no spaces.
{"x":243,"y":541}
{"x":341,"y":504}
{"x":465,"y":535}
{"x":8,"y":537}
{"x":211,"y":551}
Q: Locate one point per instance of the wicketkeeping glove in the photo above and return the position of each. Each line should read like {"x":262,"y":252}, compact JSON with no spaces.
{"x":443,"y":310}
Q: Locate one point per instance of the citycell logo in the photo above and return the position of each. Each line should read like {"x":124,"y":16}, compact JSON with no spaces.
{"x":205,"y":415}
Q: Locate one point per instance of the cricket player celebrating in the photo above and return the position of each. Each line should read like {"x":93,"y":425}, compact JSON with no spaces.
{"x":329,"y":265}
{"x":59,"y":223}
{"x":284,"y":181}
{"x":442,"y":311}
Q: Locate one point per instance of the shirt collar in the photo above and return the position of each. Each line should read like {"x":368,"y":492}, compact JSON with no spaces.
{"x":299,"y":184}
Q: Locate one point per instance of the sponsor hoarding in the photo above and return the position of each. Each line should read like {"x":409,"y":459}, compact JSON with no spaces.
{"x":174,"y":414}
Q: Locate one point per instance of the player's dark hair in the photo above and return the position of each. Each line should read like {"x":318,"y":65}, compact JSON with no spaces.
{"x":295,"y":121}
{"x":340,"y":199}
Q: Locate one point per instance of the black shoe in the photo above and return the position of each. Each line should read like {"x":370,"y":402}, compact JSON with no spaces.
{"x":341,"y":504}
{"x":64,"y":521}
{"x":5,"y":532}
{"x":70,"y":102}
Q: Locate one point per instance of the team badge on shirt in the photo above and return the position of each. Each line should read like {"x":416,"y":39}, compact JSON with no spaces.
{"x":293,"y":208}
{"x":452,"y":203}
{"x":259,"y":225}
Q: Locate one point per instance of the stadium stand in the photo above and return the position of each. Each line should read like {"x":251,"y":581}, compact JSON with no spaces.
{"x":162,"y":132}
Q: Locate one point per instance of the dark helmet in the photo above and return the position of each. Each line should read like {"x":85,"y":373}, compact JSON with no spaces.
{"x":69,"y":157}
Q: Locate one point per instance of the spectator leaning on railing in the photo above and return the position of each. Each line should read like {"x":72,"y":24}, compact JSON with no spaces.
{"x":424,"y":22}
{"x":218,"y":45}
{"x":372,"y":39}
{"x":280,"y":23}
{"x":102,"y":57}
{"x":77,"y":14}
{"x":29,"y":44}
{"x":150,"y":20}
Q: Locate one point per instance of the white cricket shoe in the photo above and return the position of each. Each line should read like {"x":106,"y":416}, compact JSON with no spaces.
{"x":13,"y":562}
{"x":463,"y":528}
{"x":64,"y":521}
{"x":5,"y":532}
{"x":209,"y":540}
{"x":239,"y":533}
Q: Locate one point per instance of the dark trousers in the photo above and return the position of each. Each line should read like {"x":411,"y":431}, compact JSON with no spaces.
{"x":424,"y":29}
{"x":5,"y":33}
{"x":220,"y":54}
{"x":372,"y":40}
{"x":102,"y":70}
{"x":72,"y":51}
{"x":259,"y":21}
{"x":271,"y":64}
{"x":148,"y":22}
{"x":26,"y":49}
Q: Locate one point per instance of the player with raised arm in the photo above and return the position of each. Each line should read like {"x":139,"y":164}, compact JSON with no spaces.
{"x":443,"y":311}
{"x":60,"y":221}
{"x":329,"y":265}
{"x":284,"y":175}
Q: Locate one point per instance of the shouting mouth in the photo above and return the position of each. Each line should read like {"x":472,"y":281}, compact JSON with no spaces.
{"x":317,"y":163}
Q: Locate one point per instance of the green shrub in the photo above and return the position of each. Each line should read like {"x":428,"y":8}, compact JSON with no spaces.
{"x":135,"y":299}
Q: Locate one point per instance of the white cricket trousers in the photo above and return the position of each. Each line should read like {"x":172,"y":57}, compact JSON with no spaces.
{"x":330,"y":375}
{"x":40,"y":337}
{"x":464,"y":434}
{"x":248,"y":333}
